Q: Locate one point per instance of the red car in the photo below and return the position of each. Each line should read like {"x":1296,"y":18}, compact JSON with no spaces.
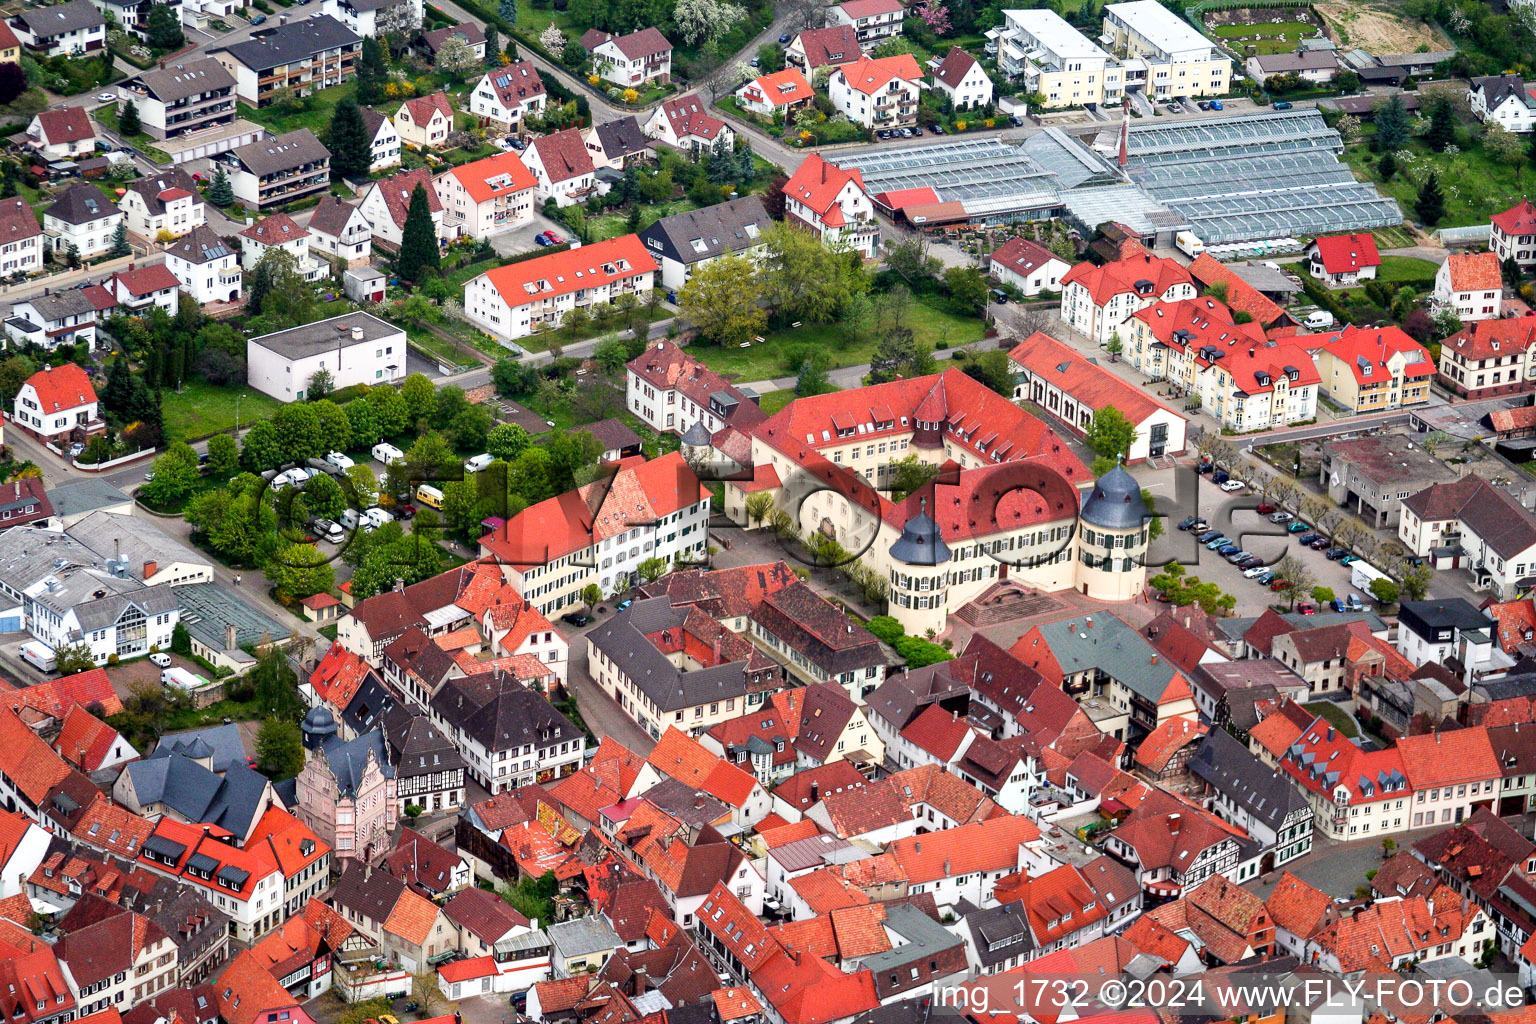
{"x":1307,"y":608}
{"x":1280,"y":585}
{"x":1265,"y":509}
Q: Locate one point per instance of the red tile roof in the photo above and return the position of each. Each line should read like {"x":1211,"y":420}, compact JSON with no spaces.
{"x":246,"y":990}
{"x":1474,"y":271}
{"x":1207,"y":270}
{"x":683,"y":758}
{"x":938,"y":732}
{"x":1298,"y":907}
{"x":516,"y":83}
{"x":689,"y":118}
{"x":1372,"y":347}
{"x":147,"y":280}
{"x":66,"y":124}
{"x":991,"y":845}
{"x":1337,"y":763}
{"x":1346,"y":254}
{"x":17,"y":221}
{"x":736,"y":928}
{"x":872,"y":74}
{"x":779,"y":88}
{"x":817,"y":183}
{"x":84,"y":740}
{"x":1482,"y":339}
{"x":590,"y":266}
{"x":647,"y":42}
{"x":1448,"y":758}
{"x":274,"y":229}
{"x":27,"y":761}
{"x":808,"y":990}
{"x":1089,"y":383}
{"x":500,"y":175}
{"x":397,"y":190}
{"x":563,"y":155}
{"x":637,"y":492}
{"x":829,"y":46}
{"x":62,"y":387}
{"x":423,"y":108}
{"x":1021,"y":255}
{"x":1146,"y":275}
{"x":1170,"y":736}
{"x":1519,"y":219}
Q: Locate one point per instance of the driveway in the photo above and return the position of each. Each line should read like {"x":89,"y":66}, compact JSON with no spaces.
{"x":520,"y":239}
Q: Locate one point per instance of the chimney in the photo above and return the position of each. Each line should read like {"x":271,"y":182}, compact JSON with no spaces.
{"x":229,"y":637}
{"x":1186,"y":621}
{"x":917,"y":847}
{"x":1089,"y":623}
{"x":1175,"y":823}
{"x":117,"y":549}
{"x":399,"y":585}
{"x":1330,"y":734}
{"x":149,"y":569}
{"x":1154,"y":659}
{"x":815,"y":792}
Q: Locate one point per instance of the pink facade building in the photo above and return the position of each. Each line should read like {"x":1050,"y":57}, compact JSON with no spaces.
{"x":346,"y":791}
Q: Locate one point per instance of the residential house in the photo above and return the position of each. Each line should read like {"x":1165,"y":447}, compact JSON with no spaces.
{"x":618,"y":143}
{"x":21,"y":238}
{"x":1505,"y":100}
{"x":833,"y":204}
{"x":561,"y":167}
{"x":817,"y":642}
{"x":304,"y":55}
{"x":685,"y":123}
{"x":965,"y":862}
{"x":354,"y":348}
{"x":425,"y":121}
{"x":484,"y":920}
{"x":374,"y":19}
{"x":386,"y":203}
{"x":683,"y":241}
{"x":1369,"y":369}
{"x":405,"y":924}
{"x":136,"y":290}
{"x":509,"y":95}
{"x":89,"y":744}
{"x":10,"y":46}
{"x":247,"y":993}
{"x":1055,"y":60}
{"x":1452,"y":633}
{"x":62,"y":133}
{"x":383,"y":141}
{"x":183,"y":788}
{"x":631,"y":61}
{"x":509,"y":735}
{"x":116,"y":958}
{"x":776,"y":95}
{"x":1453,"y":773}
{"x":70,"y":29}
{"x":1488,"y":358}
{"x":1496,"y":534}
{"x":339,"y":231}
{"x":1341,"y":260}
{"x":429,"y":771}
{"x":1471,"y":284}
{"x":181,"y":98}
{"x":470,"y":34}
{"x":279,"y":170}
{"x":57,"y":318}
{"x":164,"y":205}
{"x":1316,"y":67}
{"x":1072,"y":388}
{"x":278,"y":231}
{"x":1096,"y":301}
{"x":873,"y":21}
{"x":431,"y":869}
{"x":877,"y":92}
{"x":23,"y":503}
{"x":57,"y":402}
{"x":1243,"y":792}
{"x":506,"y":302}
{"x":1028,"y":266}
{"x":1165,"y":56}
{"x":1513,"y":234}
{"x":961,"y":77}
{"x":1174,"y":847}
{"x":1335,"y":657}
{"x":1070,"y":906}
{"x":207,"y":267}
{"x":1396,"y":932}
{"x":671,"y":391}
{"x":823,"y":48}
{"x":1353,"y":792}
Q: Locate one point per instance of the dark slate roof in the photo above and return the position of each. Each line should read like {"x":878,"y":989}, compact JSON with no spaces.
{"x":81,"y":204}
{"x":920,"y":542}
{"x":275,"y":154}
{"x":188,"y":78}
{"x":1233,"y":771}
{"x":998,"y":932}
{"x":416,"y":746}
{"x":622,"y":639}
{"x":925,"y":939}
{"x":58,"y":305}
{"x":816,"y":628}
{"x":622,"y":136}
{"x":47,"y":22}
{"x":150,"y":188}
{"x":1115,"y":503}
{"x":368,"y":893}
{"x":699,"y":235}
{"x":499,"y":712}
{"x":688,"y":805}
{"x":1498,"y":88}
{"x":197,"y":794}
{"x":349,"y":759}
{"x":1445,"y":613}
{"x":612,"y":434}
{"x":228,"y":748}
{"x":200,"y":245}
{"x":369,"y":705}
{"x":292,"y":43}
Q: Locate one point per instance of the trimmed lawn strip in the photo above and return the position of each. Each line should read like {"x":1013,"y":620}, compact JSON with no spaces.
{"x":201,"y":409}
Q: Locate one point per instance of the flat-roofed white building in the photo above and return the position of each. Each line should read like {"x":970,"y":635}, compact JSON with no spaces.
{"x":355,"y":348}
{"x":1056,"y":60}
{"x":1164,"y":56}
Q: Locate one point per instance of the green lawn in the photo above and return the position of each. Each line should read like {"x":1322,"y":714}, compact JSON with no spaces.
{"x":765,"y":361}
{"x":314,"y":113}
{"x":1405,"y":268}
{"x":1336,"y":716}
{"x":1472,"y":183}
{"x":612,"y":225}
{"x":773,"y":401}
{"x":1276,"y":38}
{"x":201,"y":409}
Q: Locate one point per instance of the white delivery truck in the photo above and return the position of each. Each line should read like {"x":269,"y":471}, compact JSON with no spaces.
{"x":39,"y":655}
{"x":1361,"y":574}
{"x":1189,"y":243}
{"x":182,"y":679}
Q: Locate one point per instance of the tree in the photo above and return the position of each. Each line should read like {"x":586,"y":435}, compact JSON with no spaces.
{"x":120,"y":244}
{"x":162,"y":29}
{"x":1384,"y":590}
{"x":455,"y":58}
{"x":300,"y":570}
{"x":967,"y":288}
{"x":591,"y":595}
{"x":298,"y":432}
{"x":812,"y":378}
{"x":1429,"y":207}
{"x":277,"y":293}
{"x":1298,"y":574}
{"x":362,"y":487}
{"x":274,"y":685}
{"x":128,"y":122}
{"x":470,"y":428}
{"x":351,"y":149}
{"x":1415,"y":583}
{"x":909,"y":258}
{"x":220,"y":191}
{"x":770,"y":58}
{"x":1387,"y":166}
{"x":73,"y":658}
{"x":410,"y":559}
{"x":758,"y":506}
{"x":418,"y":244}
{"x":807,"y":279}
{"x":421,"y":397}
{"x":722,"y":299}
{"x":1442,"y":124}
{"x":279,"y":748}
{"x":1503,"y":145}
{"x":935,"y":16}
{"x":364,"y":423}
{"x":1110,"y":433}
{"x":705,"y":19}
{"x":1322,"y":595}
{"x":492,"y":46}
{"x":319,"y":385}
{"x":506,"y":441}
{"x":223,"y":456}
{"x":652,"y":569}
{"x":372,"y":72}
{"x":13,"y":82}
{"x":899,"y":355}
{"x":508,"y":11}
{"x":553,"y":40}
{"x":993,"y":369}
{"x":1391,"y":118}
{"x":176,"y":473}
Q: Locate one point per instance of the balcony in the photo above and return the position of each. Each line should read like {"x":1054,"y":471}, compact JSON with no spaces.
{"x":230,"y":279}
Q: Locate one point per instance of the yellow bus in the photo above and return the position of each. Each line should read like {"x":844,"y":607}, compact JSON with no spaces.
{"x":430,"y":496}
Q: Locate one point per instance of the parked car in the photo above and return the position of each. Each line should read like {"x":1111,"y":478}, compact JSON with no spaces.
{"x":1228,"y":549}
{"x":1297,"y":527}
{"x":576,"y":618}
{"x":1217,"y":105}
{"x":1334,"y":554}
{"x":161,"y":659}
{"x":1349,"y":559}
{"x":1281,"y":517}
{"x":77,"y":449}
{"x":883,"y":134}
{"x":1231,"y":485}
{"x":259,"y":19}
{"x":624,"y":604}
{"x":1307,"y":608}
{"x":555,"y":239}
{"x":331,"y":531}
{"x":917,"y":130}
{"x":757,"y":62}
{"x":1338,"y":605}
{"x":1207,"y":536}
{"x":784,"y":39}
{"x":1280,"y":584}
{"x":1307,"y":538}
{"x":1218,"y":542}
{"x":1239,"y":556}
{"x":1265,"y":508}
{"x":1321,"y":544}
{"x":541,"y":239}
{"x":1282,"y":104}
{"x":1203,"y":105}
{"x":476,"y":463}
{"x":1254,"y":572}
{"x":1193,"y":523}
{"x":1266,"y":578}
{"x":405,"y":511}
{"x":937,"y":129}
{"x":1220,"y":476}
{"x":1250,"y":562}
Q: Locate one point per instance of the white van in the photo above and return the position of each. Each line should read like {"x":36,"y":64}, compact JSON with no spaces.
{"x":350,"y":518}
{"x":387,"y":453}
{"x":1318,"y":320}
{"x":338,"y":460}
{"x":375,"y":518}
{"x":477,"y":463}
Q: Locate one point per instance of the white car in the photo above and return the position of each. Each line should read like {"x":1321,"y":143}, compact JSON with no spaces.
{"x":1232,"y":485}
{"x":161,"y":659}
{"x":339,"y":460}
{"x":1280,"y":517}
{"x":106,"y":97}
{"x":1255,"y":572}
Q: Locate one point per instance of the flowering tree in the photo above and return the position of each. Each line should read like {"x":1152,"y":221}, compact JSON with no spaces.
{"x":935,"y":16}
{"x":705,"y":19}
{"x":553,"y":40}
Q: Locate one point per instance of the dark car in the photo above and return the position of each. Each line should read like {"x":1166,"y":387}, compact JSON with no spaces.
{"x":1320,"y":544}
{"x":1282,"y":104}
{"x":1307,"y":538}
{"x":1252,"y":561}
{"x":1191,"y":521}
{"x":576,"y":618}
{"x":1338,"y":606}
{"x":1267,"y":579}
{"x":1228,"y":549}
{"x":938,"y":129}
{"x":917,"y":130}
{"x":1221,"y":476}
{"x":1204,"y":467}
{"x":1334,"y":554}
{"x":542,"y":239}
{"x":405,"y":512}
{"x":883,"y":133}
{"x":1239,"y":556}
{"x":1207,"y":535}
{"x":259,"y":19}
{"x":784,"y":39}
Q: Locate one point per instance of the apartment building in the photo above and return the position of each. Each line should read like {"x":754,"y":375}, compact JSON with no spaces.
{"x":832,"y":202}
{"x":671,"y":391}
{"x":1056,"y":60}
{"x":1487,"y":358}
{"x":69,"y":29}
{"x":182,"y":98}
{"x":303,"y":56}
{"x":279,"y":169}
{"x":1172,"y":59}
{"x":516,"y":300}
{"x":1354,"y":793}
{"x":1372,"y":369}
{"x":354,"y":348}
{"x":1514,"y":234}
{"x":684,"y":241}
{"x":873,"y":21}
{"x":1096,"y":301}
{"x":878,"y":92}
{"x":1496,"y":534}
{"x":486,"y":196}
{"x":374,"y":19}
